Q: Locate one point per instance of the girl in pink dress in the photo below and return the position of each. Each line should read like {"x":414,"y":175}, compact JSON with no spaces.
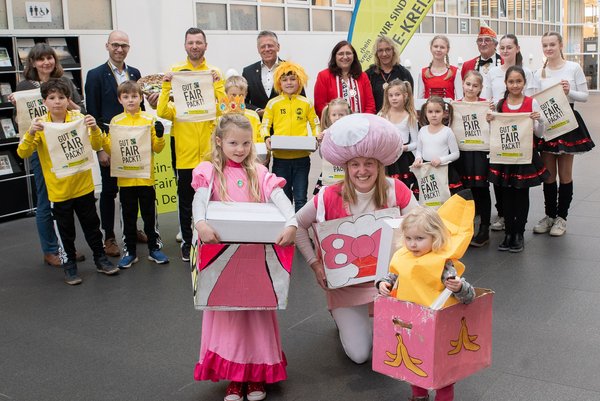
{"x":241,"y":346}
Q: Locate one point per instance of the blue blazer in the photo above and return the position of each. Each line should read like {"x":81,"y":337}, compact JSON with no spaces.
{"x":101,"y":93}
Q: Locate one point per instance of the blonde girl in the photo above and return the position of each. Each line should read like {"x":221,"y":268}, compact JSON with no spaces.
{"x":399,"y":109}
{"x":436,"y":142}
{"x":423,"y":232}
{"x":439,"y":78}
{"x":334,"y":110}
{"x":473,"y":167}
{"x":226,"y":350}
{"x":558,"y":153}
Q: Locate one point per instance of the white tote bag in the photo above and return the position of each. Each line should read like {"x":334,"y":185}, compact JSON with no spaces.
{"x":511,"y":138}
{"x":69,"y":147}
{"x":433,"y":184}
{"x":29,"y":106}
{"x":130,"y":151}
{"x":557,"y":115}
{"x":470,"y":127}
{"x":194,"y":96}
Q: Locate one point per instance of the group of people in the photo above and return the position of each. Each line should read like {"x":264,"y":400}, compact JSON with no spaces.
{"x":216,"y":160}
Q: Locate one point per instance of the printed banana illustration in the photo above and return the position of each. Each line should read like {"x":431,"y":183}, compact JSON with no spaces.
{"x":402,"y":356}
{"x":464,"y":339}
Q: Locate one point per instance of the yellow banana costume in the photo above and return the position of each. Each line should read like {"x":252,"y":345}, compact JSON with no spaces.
{"x":419,"y":278}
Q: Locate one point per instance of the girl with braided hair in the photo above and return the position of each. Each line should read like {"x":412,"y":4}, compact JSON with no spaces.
{"x":440,"y":78}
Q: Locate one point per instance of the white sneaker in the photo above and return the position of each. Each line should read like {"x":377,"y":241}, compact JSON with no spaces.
{"x":178,"y":237}
{"x":544,"y":225}
{"x":497,"y":224}
{"x":559,"y":227}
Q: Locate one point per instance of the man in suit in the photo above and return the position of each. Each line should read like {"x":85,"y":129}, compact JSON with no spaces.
{"x":487,"y":41}
{"x":260,"y":74}
{"x":102,"y":102}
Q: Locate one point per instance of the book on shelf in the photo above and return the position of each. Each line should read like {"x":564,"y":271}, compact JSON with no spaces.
{"x":5,"y":90}
{"x":24,"y":45}
{"x":8,"y":129}
{"x":62,"y":50}
{"x":5,"y":57}
{"x":8,"y":164}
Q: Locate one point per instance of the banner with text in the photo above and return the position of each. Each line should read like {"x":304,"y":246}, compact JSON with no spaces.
{"x":194,"y":96}
{"x":470,"y":127}
{"x":69,"y":147}
{"x":29,"y":106}
{"x":557,"y":114}
{"x":511,"y":138}
{"x":130,"y":151}
{"x":397,"y":19}
{"x":165,"y":183}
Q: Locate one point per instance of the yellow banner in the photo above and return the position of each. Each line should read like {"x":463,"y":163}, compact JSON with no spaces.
{"x":397,"y":19}
{"x":165,"y":182}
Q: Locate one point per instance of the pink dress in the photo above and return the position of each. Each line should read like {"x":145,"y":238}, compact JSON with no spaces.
{"x":240,"y":346}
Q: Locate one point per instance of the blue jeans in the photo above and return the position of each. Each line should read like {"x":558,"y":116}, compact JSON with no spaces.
{"x":295,"y":172}
{"x":43,"y":214}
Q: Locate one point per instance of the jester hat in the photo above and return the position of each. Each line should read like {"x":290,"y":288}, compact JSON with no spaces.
{"x":361,"y":135}
{"x":285,"y":68}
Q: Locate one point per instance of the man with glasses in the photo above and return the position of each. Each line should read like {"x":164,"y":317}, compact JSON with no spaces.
{"x":487,"y":41}
{"x":102,"y":102}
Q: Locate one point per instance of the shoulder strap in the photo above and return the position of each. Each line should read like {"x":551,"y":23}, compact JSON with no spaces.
{"x":321,"y":204}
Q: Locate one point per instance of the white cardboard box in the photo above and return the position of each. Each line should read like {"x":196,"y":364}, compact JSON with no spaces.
{"x":245,"y":222}
{"x":390,"y":242}
{"x":261,"y":151}
{"x":284,"y":142}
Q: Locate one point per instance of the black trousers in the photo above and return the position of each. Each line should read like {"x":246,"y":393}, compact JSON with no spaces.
{"x":185,"y":194}
{"x":85,"y":209}
{"x":483,"y":204}
{"x":107,"y":202}
{"x":515,"y":204}
{"x":142,"y":198}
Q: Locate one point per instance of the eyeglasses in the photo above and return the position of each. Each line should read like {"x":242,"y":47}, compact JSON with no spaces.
{"x":386,"y":50}
{"x":484,"y":40}
{"x":123,"y":46}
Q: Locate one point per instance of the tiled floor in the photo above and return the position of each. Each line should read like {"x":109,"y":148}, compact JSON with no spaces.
{"x":136,"y":336}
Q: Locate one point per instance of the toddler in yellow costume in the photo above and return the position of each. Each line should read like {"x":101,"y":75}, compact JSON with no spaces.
{"x":428,"y":262}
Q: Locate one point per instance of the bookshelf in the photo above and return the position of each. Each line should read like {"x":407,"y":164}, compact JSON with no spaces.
{"x":16,"y":177}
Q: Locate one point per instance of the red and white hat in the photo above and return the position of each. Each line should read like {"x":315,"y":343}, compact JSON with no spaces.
{"x":485,"y":30}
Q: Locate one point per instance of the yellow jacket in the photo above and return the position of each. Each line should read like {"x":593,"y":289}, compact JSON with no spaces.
{"x":192,"y":140}
{"x":288,"y":115}
{"x":255,"y":122}
{"x":60,"y":189}
{"x":138,"y":119}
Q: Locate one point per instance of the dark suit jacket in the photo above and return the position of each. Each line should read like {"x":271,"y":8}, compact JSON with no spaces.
{"x":257,"y":97}
{"x":101,"y":93}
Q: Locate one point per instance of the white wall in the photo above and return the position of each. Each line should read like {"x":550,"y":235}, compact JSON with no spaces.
{"x":156,"y":29}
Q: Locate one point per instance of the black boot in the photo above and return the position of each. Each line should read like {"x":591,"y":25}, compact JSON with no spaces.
{"x":482,"y":237}
{"x":505,"y":245}
{"x":517,"y":244}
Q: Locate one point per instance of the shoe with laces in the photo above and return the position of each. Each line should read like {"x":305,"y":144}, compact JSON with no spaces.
{"x":158,"y":257}
{"x":185,"y":252}
{"x":178,"y":237}
{"x":497,"y":224}
{"x":103,"y":265}
{"x":111,"y":248}
{"x":52,"y":259}
{"x":234,"y":392}
{"x":559,"y":227}
{"x":71,"y":276}
{"x":256,"y":391}
{"x":544,"y":225}
{"x":141,"y":237}
{"x":126,"y":261}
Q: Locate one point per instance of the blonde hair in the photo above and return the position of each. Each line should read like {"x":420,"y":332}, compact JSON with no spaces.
{"x":449,"y":74}
{"x":381,"y":186}
{"x":390,"y":42}
{"x":325,"y":120}
{"x":236,"y":81}
{"x":476,"y":74}
{"x":409,"y":102}
{"x":225,"y":123}
{"x":560,"y":42}
{"x":429,"y":221}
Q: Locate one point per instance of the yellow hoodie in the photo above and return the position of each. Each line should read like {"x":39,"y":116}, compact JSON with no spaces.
{"x":192,"y":139}
{"x":60,"y":189}
{"x":138,"y":119}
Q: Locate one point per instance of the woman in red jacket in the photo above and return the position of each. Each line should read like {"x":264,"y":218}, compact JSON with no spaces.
{"x":344,"y":78}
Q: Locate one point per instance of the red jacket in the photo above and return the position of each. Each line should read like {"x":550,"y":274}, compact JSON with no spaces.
{"x":326,"y":89}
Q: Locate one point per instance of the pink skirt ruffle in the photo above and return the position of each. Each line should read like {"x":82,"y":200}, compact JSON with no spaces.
{"x":216,"y":368}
